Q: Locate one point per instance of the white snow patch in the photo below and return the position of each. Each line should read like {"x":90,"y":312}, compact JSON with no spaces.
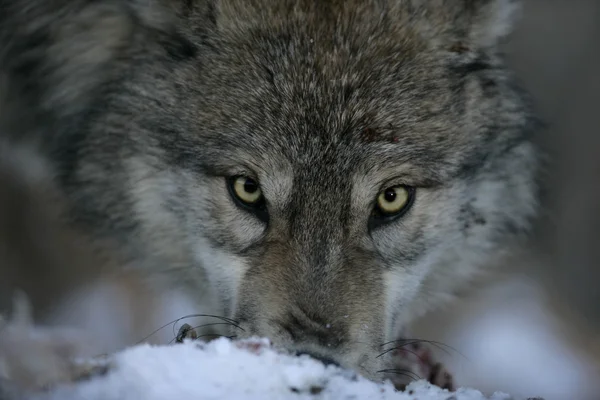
{"x":225,"y":369}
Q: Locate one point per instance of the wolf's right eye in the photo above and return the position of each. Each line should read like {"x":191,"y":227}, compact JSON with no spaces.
{"x":247,"y":194}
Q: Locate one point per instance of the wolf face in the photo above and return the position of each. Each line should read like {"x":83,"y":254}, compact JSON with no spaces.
{"x":321,"y":172}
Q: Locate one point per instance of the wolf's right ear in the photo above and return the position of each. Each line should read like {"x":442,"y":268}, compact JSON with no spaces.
{"x":57,"y":53}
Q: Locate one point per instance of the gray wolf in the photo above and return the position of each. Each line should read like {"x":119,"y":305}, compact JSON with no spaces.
{"x":321,"y":173}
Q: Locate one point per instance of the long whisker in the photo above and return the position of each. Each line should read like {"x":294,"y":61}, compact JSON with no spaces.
{"x":193,"y":329}
{"x":439,"y":345}
{"x":229,"y":320}
{"x":409,"y":343}
{"x":402,"y":372}
{"x":216,"y":334}
{"x":403,"y":349}
{"x":211,"y":324}
{"x":206,"y":335}
{"x":216,"y":323}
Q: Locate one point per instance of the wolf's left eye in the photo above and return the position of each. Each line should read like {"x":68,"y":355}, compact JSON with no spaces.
{"x":392,"y":203}
{"x":246,"y":190}
{"x":247,"y":194}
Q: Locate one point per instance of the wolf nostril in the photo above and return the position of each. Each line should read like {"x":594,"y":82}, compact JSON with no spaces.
{"x":324,"y":360}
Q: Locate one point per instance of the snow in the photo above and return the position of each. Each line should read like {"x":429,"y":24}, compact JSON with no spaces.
{"x":225,"y":369}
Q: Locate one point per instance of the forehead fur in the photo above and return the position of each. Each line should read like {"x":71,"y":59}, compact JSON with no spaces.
{"x":478,"y":22}
{"x":357,"y":80}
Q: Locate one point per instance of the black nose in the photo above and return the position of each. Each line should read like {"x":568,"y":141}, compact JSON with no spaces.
{"x":324,"y":360}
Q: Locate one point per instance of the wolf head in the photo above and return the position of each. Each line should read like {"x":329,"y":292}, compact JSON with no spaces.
{"x":328,"y":171}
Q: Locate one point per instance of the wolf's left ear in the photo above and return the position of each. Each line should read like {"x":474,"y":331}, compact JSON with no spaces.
{"x":491,"y":20}
{"x":475,"y":24}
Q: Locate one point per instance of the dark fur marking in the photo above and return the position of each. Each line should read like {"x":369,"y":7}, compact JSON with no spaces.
{"x":369,"y":134}
{"x":459,"y":48}
{"x":270,"y":75}
{"x":348,"y":92}
{"x":471,"y":217}
{"x":179,"y":48}
{"x":481,"y":63}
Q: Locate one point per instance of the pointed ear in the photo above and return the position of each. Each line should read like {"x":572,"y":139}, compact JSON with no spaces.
{"x":475,"y":24}
{"x":491,"y":20}
{"x":56,"y":55}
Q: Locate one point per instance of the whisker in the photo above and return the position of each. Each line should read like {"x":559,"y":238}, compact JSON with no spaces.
{"x":414,"y":340}
{"x":203,"y":326}
{"x":403,"y":349}
{"x":215,"y":323}
{"x":211,"y":324}
{"x":193,"y":328}
{"x":402,"y":372}
{"x":218,"y":335}
{"x":229,"y":320}
{"x":439,"y":345}
{"x":409,"y":342}
{"x":206,"y":335}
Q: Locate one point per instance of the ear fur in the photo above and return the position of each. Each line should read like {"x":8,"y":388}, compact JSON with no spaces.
{"x":492,"y":20}
{"x":56,"y":53}
{"x":476,"y":24}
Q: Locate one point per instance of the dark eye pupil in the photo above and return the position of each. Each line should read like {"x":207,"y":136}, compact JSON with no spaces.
{"x":250,"y":186}
{"x":390,"y":195}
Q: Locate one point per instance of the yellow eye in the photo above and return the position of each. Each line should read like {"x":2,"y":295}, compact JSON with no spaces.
{"x":246,"y":190}
{"x":393,"y":200}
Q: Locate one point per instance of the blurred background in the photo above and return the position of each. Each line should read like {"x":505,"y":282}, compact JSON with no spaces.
{"x":537,"y":331}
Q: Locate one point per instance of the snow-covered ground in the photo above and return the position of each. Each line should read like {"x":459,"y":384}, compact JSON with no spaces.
{"x":504,"y":341}
{"x":223,"y":369}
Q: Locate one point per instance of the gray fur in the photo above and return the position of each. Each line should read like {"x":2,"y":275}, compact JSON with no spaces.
{"x":325,"y":104}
